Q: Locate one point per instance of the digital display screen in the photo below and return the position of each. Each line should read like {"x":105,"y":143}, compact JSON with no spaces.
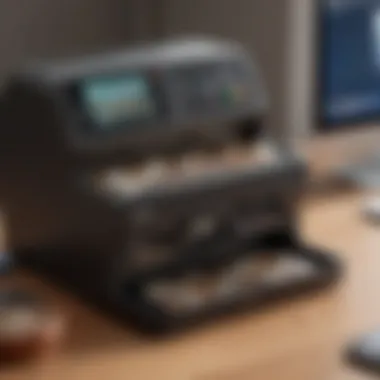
{"x":350,"y":61}
{"x":111,"y":101}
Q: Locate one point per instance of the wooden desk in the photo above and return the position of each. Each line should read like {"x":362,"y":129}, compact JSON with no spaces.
{"x":301,"y":340}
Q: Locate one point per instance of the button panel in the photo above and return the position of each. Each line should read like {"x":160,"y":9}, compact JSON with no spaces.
{"x":209,"y":89}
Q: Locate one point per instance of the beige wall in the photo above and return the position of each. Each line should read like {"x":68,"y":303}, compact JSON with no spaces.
{"x":35,"y":28}
{"x":301,"y":102}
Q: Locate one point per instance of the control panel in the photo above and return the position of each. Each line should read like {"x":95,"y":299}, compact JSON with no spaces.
{"x":150,"y":95}
{"x":137,"y":102}
{"x":211,"y":89}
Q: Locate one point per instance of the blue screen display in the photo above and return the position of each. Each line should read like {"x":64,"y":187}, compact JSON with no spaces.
{"x":110,"y":102}
{"x":350,"y":53}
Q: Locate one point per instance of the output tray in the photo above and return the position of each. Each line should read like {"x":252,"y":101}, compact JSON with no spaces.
{"x":151,"y":316}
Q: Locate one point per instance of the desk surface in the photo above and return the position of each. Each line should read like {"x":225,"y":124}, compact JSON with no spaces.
{"x":301,"y":340}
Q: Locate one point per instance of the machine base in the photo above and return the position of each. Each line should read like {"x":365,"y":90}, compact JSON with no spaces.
{"x":128,"y":302}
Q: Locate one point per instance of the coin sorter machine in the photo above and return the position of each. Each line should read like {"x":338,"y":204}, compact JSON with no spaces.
{"x":144,"y":182}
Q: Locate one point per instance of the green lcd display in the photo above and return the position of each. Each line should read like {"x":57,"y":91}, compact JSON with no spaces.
{"x":110,"y":102}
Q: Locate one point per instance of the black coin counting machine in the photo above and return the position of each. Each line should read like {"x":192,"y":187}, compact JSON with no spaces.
{"x":142,"y":181}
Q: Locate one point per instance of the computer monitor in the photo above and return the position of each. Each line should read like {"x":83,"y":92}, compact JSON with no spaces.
{"x":349,"y":68}
{"x":334,"y":81}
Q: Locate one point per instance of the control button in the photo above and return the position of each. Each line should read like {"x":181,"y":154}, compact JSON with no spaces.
{"x":234,"y":94}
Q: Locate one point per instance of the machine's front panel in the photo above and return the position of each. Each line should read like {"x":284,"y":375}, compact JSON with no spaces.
{"x":169,"y":230}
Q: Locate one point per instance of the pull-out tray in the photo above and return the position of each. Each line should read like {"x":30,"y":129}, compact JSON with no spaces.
{"x":172,"y":298}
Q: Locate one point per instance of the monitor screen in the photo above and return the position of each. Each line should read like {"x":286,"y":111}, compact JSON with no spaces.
{"x":349,"y":84}
{"x":110,"y":102}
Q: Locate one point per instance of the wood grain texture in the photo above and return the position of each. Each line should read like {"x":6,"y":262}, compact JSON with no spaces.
{"x":297,"y":341}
